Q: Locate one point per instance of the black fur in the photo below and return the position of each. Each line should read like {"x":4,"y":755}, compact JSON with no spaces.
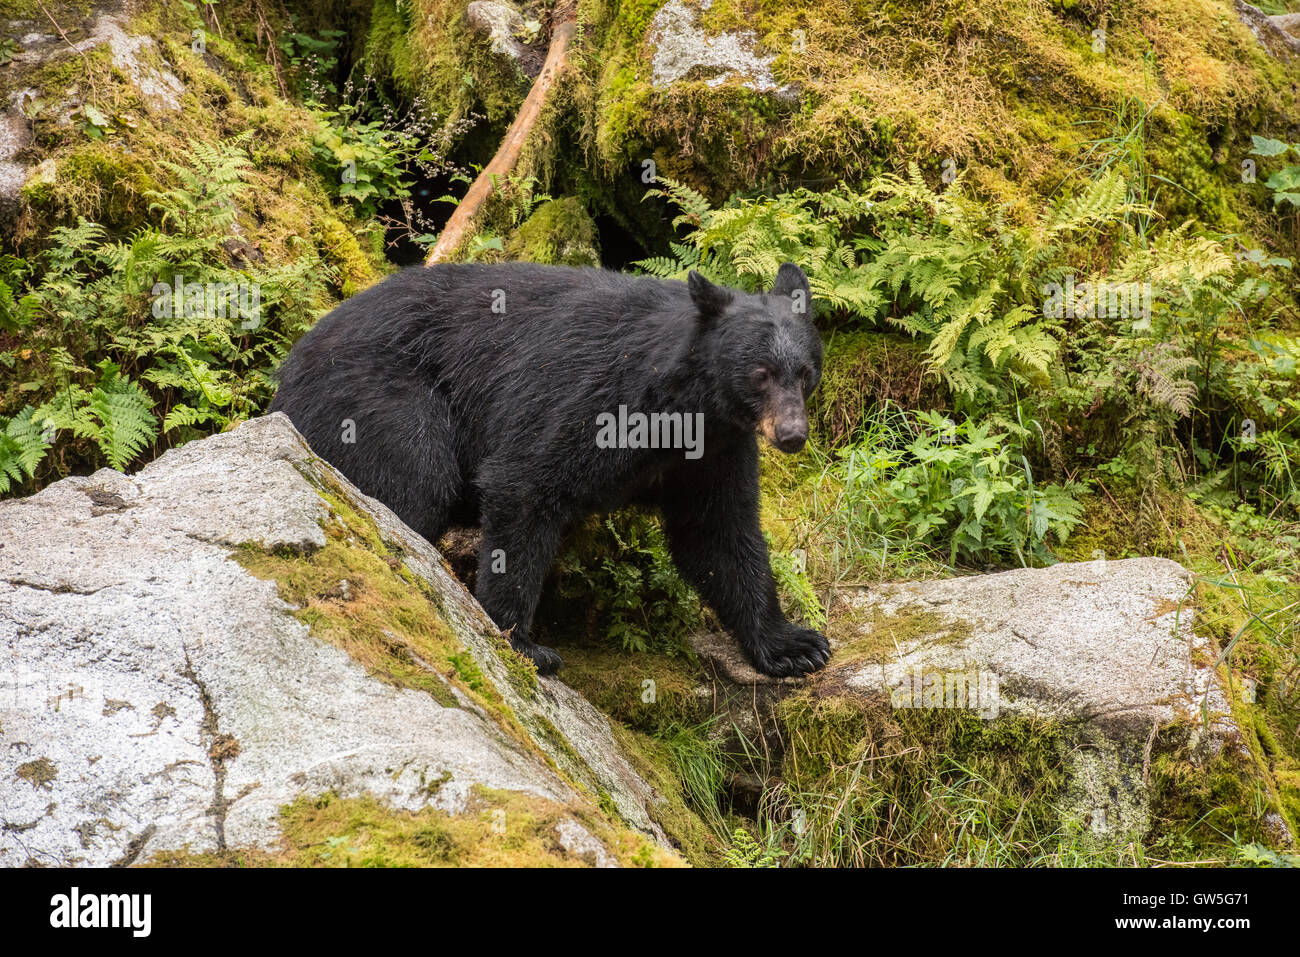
{"x":467,"y":415}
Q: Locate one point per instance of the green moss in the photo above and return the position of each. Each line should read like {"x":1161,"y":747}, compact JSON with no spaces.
{"x":879,"y":86}
{"x":866,"y":633}
{"x":102,"y":182}
{"x":341,"y":249}
{"x":521,"y":671}
{"x":559,"y":232}
{"x":634,"y":18}
{"x":1196,"y":183}
{"x":863,"y":369}
{"x":19,"y":9}
{"x":646,"y":691}
{"x":499,"y":829}
{"x":824,"y":733}
{"x":468,"y":671}
{"x":1204,"y":805}
{"x":427,"y":49}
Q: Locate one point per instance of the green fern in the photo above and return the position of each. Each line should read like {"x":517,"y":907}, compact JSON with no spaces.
{"x":937,"y":265}
{"x":15,"y":311}
{"x":22,"y":446}
{"x":107,"y":365}
{"x":124,"y":414}
{"x":746,"y":852}
{"x":1161,"y":377}
{"x":205,"y":200}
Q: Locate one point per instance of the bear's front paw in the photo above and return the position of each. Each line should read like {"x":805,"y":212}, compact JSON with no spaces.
{"x":547,"y":660}
{"x":791,"y":652}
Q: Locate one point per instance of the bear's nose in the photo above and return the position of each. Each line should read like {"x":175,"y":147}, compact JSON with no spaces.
{"x":791,"y":436}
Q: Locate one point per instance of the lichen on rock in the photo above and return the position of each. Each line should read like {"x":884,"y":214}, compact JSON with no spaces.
{"x":681,"y":48}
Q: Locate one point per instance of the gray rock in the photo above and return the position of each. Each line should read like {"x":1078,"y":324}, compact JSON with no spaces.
{"x":500,"y":22}
{"x":580,"y":842}
{"x":681,"y":46}
{"x":15,"y":136}
{"x":1279,"y":35}
{"x":508,"y":33}
{"x":154,"y":695}
{"x":1106,"y":648}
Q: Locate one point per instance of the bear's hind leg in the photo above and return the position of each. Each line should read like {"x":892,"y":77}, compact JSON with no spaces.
{"x":394,"y":438}
{"x":519,"y":542}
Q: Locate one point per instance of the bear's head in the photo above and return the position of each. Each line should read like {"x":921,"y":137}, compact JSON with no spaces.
{"x":766,"y":354}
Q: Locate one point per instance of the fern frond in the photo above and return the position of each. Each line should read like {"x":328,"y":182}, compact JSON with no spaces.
{"x":1160,"y":378}
{"x":22,"y":446}
{"x":124,"y":414}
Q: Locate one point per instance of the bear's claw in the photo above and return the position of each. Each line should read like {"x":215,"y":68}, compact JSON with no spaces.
{"x":795,"y":652}
{"x":547,"y":660}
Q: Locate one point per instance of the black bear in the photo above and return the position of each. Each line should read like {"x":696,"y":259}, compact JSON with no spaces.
{"x":524,"y":398}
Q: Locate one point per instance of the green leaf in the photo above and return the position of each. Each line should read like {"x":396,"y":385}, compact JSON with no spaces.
{"x":1263,"y":146}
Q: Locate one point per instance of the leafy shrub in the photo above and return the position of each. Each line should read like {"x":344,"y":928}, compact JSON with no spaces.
{"x":1285,"y":183}
{"x":369,"y":150}
{"x":961,"y":487}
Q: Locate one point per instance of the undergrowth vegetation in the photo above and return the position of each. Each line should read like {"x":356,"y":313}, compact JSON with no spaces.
{"x":149,"y":335}
{"x":1158,"y":358}
{"x":1116,"y":385}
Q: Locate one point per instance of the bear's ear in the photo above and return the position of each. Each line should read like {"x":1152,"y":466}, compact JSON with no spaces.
{"x":790,"y":281}
{"x":709,"y":299}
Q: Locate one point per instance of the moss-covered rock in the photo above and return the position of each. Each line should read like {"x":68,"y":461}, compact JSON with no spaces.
{"x":276,"y":656}
{"x":1074,"y":706}
{"x":559,"y":232}
{"x":862,"y":370}
{"x":104,"y":123}
{"x":1014,"y":93}
{"x":497,"y":829}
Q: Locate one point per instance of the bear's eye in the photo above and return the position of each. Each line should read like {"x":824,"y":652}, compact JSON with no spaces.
{"x":762,"y":374}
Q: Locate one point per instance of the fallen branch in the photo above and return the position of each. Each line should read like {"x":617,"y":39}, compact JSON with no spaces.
{"x":507,"y":155}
